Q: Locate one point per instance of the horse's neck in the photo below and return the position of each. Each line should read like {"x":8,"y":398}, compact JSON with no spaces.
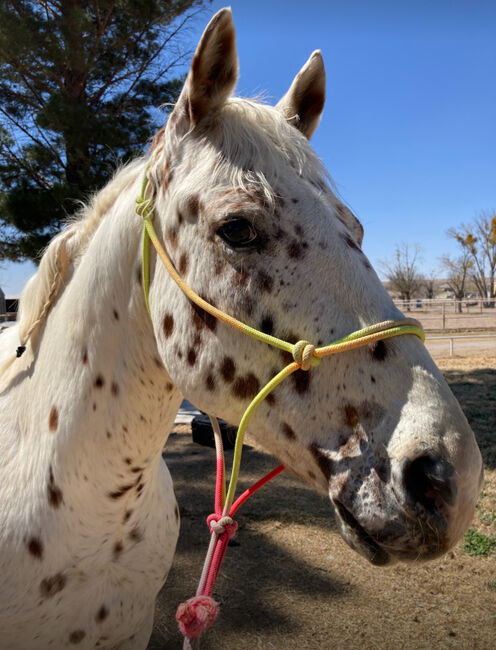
{"x":105,"y":402}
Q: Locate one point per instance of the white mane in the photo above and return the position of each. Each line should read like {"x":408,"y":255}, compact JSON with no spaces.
{"x":64,"y":251}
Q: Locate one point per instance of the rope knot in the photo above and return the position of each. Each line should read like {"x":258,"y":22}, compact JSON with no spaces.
{"x":220,"y":525}
{"x":196,"y":615}
{"x":303,"y":354}
{"x":143,"y":206}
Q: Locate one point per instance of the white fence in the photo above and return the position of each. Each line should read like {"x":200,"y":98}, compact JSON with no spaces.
{"x":466,"y":343}
{"x":451,"y":314}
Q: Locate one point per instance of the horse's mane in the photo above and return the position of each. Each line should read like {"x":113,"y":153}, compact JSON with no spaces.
{"x":63,"y":252}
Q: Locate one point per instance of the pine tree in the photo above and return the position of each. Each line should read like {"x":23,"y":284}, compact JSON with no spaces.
{"x":78,"y":83}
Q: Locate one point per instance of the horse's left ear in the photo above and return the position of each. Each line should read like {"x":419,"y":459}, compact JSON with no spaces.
{"x":303,"y":103}
{"x":213,"y":73}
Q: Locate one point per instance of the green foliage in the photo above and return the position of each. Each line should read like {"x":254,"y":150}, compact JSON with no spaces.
{"x":491,"y":585}
{"x":477,"y":544}
{"x":78,"y":83}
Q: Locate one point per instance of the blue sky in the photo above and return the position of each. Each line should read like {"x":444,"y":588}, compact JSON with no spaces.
{"x":409,"y":128}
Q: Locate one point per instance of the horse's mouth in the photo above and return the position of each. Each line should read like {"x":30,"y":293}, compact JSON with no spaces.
{"x":358,"y":538}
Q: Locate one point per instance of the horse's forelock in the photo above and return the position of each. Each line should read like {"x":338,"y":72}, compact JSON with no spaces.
{"x":245,"y":146}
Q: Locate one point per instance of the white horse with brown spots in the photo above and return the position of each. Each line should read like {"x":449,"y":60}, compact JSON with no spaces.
{"x":88,"y":517}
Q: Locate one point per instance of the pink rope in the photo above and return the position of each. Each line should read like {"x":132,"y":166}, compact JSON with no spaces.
{"x":198,"y":613}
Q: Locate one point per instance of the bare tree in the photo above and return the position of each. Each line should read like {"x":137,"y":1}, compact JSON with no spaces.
{"x":478,"y":239}
{"x":429,"y":284}
{"x":457,"y":270}
{"x":402,"y":271}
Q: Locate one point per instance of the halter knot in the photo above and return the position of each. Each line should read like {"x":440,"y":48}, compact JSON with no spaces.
{"x":196,"y":615}
{"x":303,"y":354}
{"x":220,"y":525}
{"x":143,"y":206}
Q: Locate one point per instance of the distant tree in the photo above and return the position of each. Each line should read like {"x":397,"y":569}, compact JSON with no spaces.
{"x":78,"y":83}
{"x":429,"y":284}
{"x":478,"y":239}
{"x":402,"y":271}
{"x":457,"y":270}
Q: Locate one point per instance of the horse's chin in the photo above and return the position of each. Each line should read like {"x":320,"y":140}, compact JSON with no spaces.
{"x":357,"y":537}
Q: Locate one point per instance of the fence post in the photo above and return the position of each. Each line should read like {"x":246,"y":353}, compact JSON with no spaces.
{"x":444,"y":316}
{"x":451,"y":347}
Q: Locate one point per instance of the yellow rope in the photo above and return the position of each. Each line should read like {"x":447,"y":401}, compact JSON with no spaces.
{"x":304,"y":353}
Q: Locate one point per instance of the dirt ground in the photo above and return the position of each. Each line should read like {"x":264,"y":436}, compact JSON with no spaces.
{"x":292,"y":583}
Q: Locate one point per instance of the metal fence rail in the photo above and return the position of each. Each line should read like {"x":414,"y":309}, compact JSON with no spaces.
{"x":465,"y":338}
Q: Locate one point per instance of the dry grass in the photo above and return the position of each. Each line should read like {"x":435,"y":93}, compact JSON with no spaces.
{"x":292,"y":583}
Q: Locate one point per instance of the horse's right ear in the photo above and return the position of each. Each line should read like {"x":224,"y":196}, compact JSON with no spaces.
{"x":212,"y":76}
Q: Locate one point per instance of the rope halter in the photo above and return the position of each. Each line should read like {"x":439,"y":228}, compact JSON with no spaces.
{"x":304,"y":355}
{"x":199,"y":612}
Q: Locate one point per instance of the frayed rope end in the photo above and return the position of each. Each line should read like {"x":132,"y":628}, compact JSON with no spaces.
{"x":196,"y":615}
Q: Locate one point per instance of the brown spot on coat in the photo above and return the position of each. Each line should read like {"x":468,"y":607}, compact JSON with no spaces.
{"x":115,"y":313}
{"x":121,"y":491}
{"x":351,"y":416}
{"x":245,"y":387}
{"x":227,"y":369}
{"x":168,"y":325}
{"x":85,"y":356}
{"x":288,"y":431}
{"x":51,"y":586}
{"x":135,"y":534}
{"x":172,"y":237}
{"x":183,"y":263}
{"x":210,"y":383}
{"x":77,"y":636}
{"x":267,"y":325}
{"x":114,"y":389}
{"x":379,"y":351}
{"x":35,"y":547}
{"x":55,"y":496}
{"x":99,"y":382}
{"x":295,"y":249}
{"x":270,"y":399}
{"x":264,"y":281}
{"x":191,"y":357}
{"x":127,"y":515}
{"x":53,"y":419}
{"x":301,"y":381}
{"x":117,"y":550}
{"x":101,"y":614}
{"x":202,"y":318}
{"x":194,"y":205}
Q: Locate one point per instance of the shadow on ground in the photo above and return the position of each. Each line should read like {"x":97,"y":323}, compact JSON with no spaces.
{"x":258,"y":570}
{"x":476,"y":392}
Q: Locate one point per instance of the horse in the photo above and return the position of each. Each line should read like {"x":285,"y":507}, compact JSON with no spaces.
{"x":246,"y":211}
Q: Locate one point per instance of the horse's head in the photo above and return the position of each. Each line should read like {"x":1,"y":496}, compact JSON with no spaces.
{"x":244,"y":210}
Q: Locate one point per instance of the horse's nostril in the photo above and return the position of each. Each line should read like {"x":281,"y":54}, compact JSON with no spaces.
{"x":430,"y":481}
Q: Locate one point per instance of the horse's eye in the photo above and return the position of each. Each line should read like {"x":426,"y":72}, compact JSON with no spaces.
{"x":238,"y":233}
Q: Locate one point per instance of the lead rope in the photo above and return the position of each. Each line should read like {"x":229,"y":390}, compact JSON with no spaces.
{"x":198,"y":613}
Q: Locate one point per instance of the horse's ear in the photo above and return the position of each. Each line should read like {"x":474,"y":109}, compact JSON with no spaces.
{"x":213,"y":73}
{"x":303,"y":103}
